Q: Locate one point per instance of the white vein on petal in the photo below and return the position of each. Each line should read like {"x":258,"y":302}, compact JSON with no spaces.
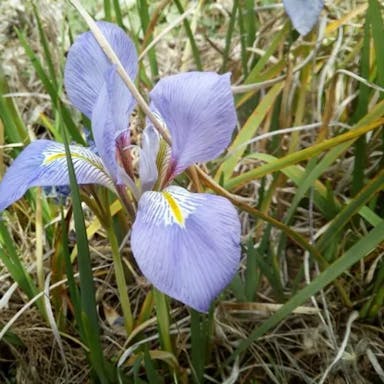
{"x":158,"y":210}
{"x":82,"y":159}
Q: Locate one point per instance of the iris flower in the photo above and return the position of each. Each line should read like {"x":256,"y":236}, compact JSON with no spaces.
{"x":186,"y":244}
{"x":303,"y":13}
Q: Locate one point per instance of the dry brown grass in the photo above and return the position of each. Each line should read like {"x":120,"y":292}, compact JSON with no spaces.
{"x":299,"y":350}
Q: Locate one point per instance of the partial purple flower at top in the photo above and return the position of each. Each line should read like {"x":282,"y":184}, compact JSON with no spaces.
{"x":303,"y":13}
{"x":187,"y":244}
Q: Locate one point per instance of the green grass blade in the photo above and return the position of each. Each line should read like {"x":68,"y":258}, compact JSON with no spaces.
{"x":358,"y":251}
{"x":73,"y":290}
{"x":47,"y":53}
{"x":250,"y":21}
{"x":11,"y":260}
{"x":243,"y":42}
{"x":304,"y":154}
{"x":361,"y":111}
{"x":309,"y":179}
{"x":107,"y":10}
{"x":354,"y":205}
{"x":200,"y":331}
{"x":142,"y":6}
{"x":188,"y":31}
{"x":163,"y":320}
{"x":14,"y":128}
{"x":50,"y":88}
{"x":247,"y":132}
{"x":254,"y":75}
{"x":118,"y":14}
{"x":152,"y":375}
{"x":89,"y":316}
{"x":228,"y":37}
{"x":377,"y":25}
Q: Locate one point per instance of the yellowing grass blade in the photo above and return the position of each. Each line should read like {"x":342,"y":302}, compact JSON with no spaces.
{"x":247,"y":132}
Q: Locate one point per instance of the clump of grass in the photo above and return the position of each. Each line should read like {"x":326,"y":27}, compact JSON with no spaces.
{"x":304,"y":169}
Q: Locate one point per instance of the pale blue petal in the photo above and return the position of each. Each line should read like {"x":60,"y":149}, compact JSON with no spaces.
{"x":199,"y":112}
{"x":303,"y":13}
{"x":110,"y":118}
{"x":187,"y":244}
{"x":148,"y":154}
{"x":87,"y":64}
{"x":43,"y":163}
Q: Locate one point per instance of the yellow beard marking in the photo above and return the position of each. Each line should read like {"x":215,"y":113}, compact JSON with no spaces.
{"x":50,"y":158}
{"x":57,"y":156}
{"x":175,"y":209}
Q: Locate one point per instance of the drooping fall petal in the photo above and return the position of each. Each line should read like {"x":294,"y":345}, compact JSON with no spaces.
{"x":43,"y":163}
{"x":187,"y":244}
{"x":199,"y":112}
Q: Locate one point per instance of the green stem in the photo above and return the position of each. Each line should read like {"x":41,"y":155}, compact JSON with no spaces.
{"x":163,"y":321}
{"x":120,"y":280}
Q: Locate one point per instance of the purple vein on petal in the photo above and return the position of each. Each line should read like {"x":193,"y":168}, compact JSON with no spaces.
{"x":87,"y":64}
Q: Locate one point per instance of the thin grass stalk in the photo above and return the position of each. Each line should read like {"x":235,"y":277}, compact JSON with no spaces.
{"x":107,"y":10}
{"x":152,"y":23}
{"x":72,"y":286}
{"x":45,"y":45}
{"x":361,"y":110}
{"x":296,"y":237}
{"x":346,"y":214}
{"x":304,"y":154}
{"x":200,"y":333}
{"x":375,"y":303}
{"x":250,"y":21}
{"x":88,"y":316}
{"x":358,"y":251}
{"x":14,"y":127}
{"x":118,"y":14}
{"x":53,"y":92}
{"x":188,"y":31}
{"x":145,"y":22}
{"x":39,"y":233}
{"x":243,"y":43}
{"x":228,"y":37}
{"x":120,"y":280}
{"x":163,"y":320}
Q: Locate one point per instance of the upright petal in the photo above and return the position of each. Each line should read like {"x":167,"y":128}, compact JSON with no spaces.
{"x":187,"y":244}
{"x":86,"y":65}
{"x":150,"y":144}
{"x":199,"y":112}
{"x":303,"y":13}
{"x":43,"y":163}
{"x":110,"y":118}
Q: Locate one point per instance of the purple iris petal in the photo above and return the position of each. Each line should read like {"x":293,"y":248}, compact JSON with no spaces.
{"x":199,"y":112}
{"x":149,"y":149}
{"x":86,"y":65}
{"x":43,"y":163}
{"x":303,"y":13}
{"x":110,"y":117}
{"x":187,"y":244}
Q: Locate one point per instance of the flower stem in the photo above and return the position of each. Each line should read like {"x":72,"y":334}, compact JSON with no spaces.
{"x":163,"y":322}
{"x":120,"y":280}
